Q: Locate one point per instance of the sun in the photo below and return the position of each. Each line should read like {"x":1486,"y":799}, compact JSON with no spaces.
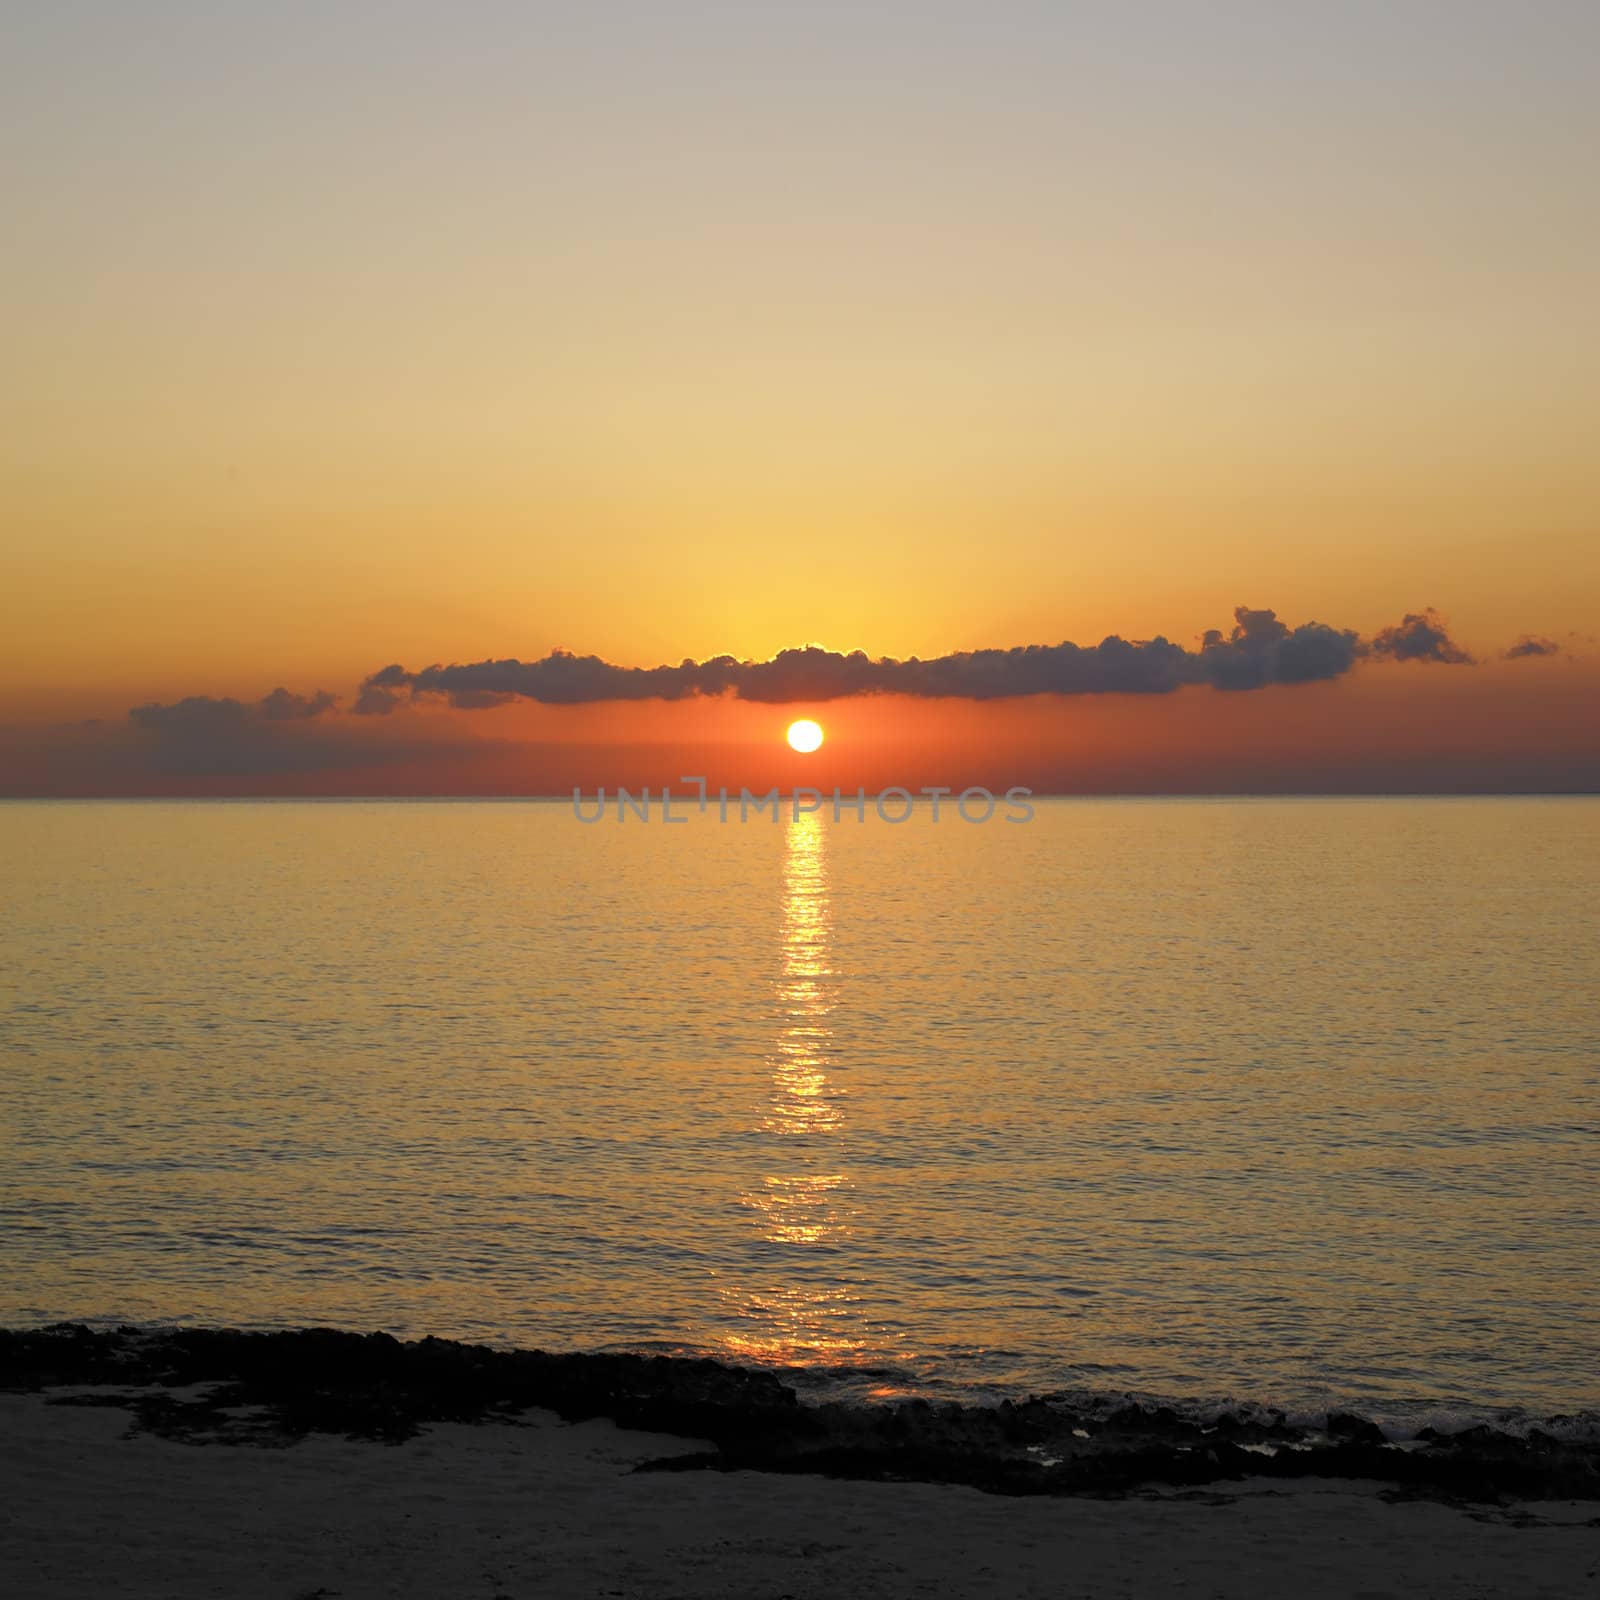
{"x":804,"y":736}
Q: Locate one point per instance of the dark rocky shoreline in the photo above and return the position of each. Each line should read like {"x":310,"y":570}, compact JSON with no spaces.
{"x":273,"y":1389}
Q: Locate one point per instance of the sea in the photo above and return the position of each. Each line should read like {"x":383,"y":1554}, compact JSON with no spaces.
{"x":1283,"y":1102}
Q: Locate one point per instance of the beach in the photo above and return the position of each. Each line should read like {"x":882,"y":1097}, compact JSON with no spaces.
{"x":319,"y":1464}
{"x":544,"y":1508}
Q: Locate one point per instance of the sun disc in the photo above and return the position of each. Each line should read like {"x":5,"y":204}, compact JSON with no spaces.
{"x":804,"y":736}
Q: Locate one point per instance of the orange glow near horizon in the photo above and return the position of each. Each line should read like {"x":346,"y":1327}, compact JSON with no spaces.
{"x":1514,"y":726}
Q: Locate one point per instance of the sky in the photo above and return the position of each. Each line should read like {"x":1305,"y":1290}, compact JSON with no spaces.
{"x":355,"y":336}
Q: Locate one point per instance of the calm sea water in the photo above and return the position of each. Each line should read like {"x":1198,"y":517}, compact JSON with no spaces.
{"x":1289,"y":1100}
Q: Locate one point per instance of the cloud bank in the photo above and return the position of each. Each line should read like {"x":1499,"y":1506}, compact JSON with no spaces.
{"x":200,"y":713}
{"x":202,"y":736}
{"x":287,"y":742}
{"x":1259,"y":650}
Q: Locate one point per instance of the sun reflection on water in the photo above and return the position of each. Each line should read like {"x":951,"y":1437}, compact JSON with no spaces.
{"x":808,"y":1315}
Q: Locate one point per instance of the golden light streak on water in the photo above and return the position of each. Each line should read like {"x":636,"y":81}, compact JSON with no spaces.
{"x":806,"y":1206}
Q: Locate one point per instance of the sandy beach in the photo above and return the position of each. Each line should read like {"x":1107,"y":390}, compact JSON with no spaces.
{"x":544,"y":1508}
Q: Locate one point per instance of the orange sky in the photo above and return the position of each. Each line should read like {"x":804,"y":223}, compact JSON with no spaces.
{"x":347,"y":336}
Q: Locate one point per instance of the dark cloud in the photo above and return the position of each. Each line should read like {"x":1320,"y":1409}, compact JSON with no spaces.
{"x":1263,"y":650}
{"x":1259,"y":650}
{"x":281,"y":706}
{"x":811,"y":673}
{"x":202,"y":713}
{"x":375,"y":701}
{"x":205,"y":736}
{"x":1531,"y":645}
{"x":1419,"y":636}
{"x":195,"y":747}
